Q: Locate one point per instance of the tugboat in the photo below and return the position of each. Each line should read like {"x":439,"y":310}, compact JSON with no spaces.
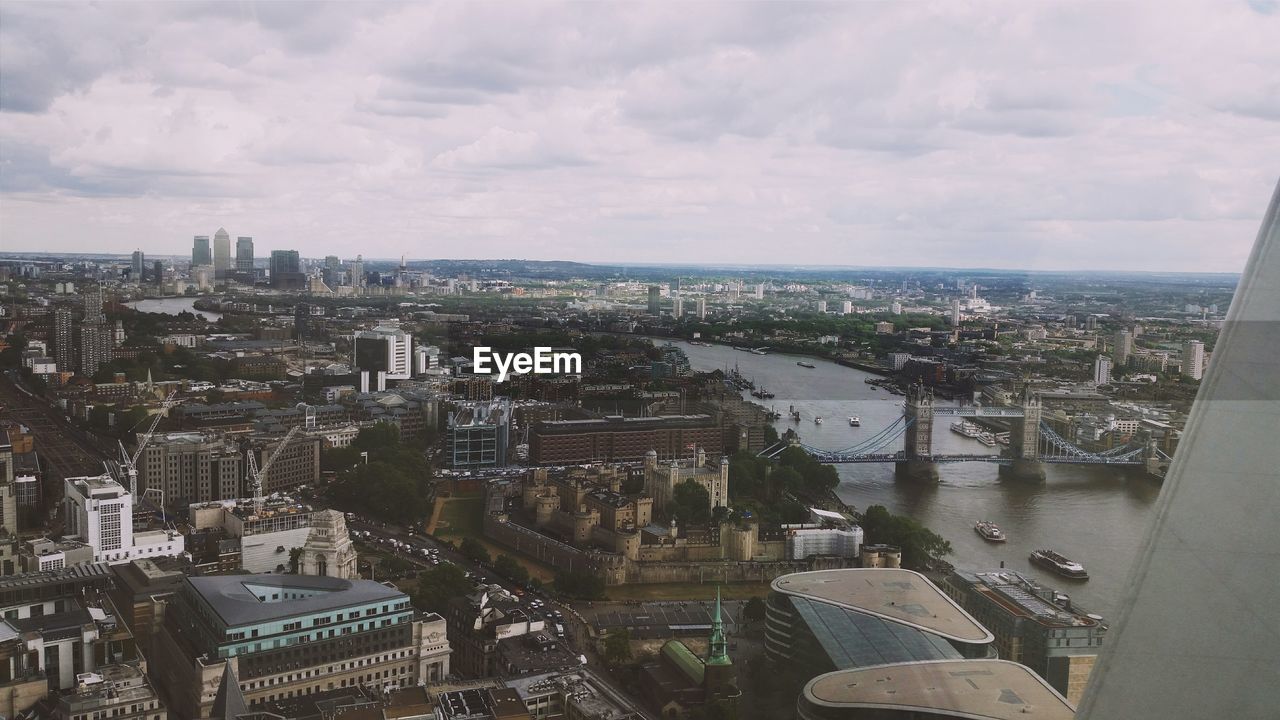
{"x":1051,"y":560}
{"x":855,"y":421}
{"x":989,"y":531}
{"x":804,"y":364}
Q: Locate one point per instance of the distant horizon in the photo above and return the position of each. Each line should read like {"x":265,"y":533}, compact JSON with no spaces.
{"x":9,"y":254}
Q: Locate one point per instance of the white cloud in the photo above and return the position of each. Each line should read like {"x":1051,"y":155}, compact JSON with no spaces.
{"x":1058,"y":135}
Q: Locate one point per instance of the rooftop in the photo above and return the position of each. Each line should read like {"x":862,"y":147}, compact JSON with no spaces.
{"x":233,"y":598}
{"x":976,"y":689}
{"x":901,"y":596}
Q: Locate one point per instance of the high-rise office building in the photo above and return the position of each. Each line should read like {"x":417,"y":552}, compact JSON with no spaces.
{"x":1193,"y":359}
{"x":1123,"y":347}
{"x":286,"y":270}
{"x":64,"y":344}
{"x":1102,"y":370}
{"x":332,"y":273}
{"x":221,"y":253}
{"x":137,"y":268}
{"x":655,"y":299}
{"x":244,"y":255}
{"x":200,"y":252}
{"x":157,"y":272}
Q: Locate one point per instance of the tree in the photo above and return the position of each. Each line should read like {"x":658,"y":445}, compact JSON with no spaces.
{"x":746,"y":475}
{"x":580,"y":584}
{"x":919,"y":544}
{"x":475,"y":550}
{"x":439,"y":585}
{"x":510,"y":568}
{"x":692,"y":502}
{"x":754,"y":610}
{"x":617,"y":646}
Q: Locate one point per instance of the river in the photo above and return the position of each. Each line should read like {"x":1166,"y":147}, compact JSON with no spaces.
{"x":1094,"y":515}
{"x":172,"y":306}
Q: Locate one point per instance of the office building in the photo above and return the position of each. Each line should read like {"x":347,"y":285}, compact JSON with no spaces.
{"x":191,"y":467}
{"x":1033,"y":625}
{"x":119,"y":692}
{"x":1193,"y":359}
{"x":843,"y":619}
{"x":244,"y":255}
{"x":266,"y":533}
{"x":622,"y":439}
{"x":137,"y":267}
{"x":201,"y":253}
{"x":1102,"y":370}
{"x":157,"y":273}
{"x":297,"y":464}
{"x":1123,"y":347}
{"x":8,"y":492}
{"x":357,"y":272}
{"x":478,"y":434}
{"x":266,"y":638}
{"x":221,"y":254}
{"x":386,"y":350}
{"x":286,"y":270}
{"x":655,"y":299}
{"x":99,"y":512}
{"x":932,"y":690}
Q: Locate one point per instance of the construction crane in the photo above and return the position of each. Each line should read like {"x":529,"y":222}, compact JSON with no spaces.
{"x":129,"y":463}
{"x":256,"y":475}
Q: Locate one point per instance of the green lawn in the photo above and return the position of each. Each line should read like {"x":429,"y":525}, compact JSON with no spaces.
{"x":461,"y":517}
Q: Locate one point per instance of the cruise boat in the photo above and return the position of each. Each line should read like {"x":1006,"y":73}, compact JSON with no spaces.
{"x":987,"y":439}
{"x":804,"y":364}
{"x":966,"y":428}
{"x":1051,"y":560}
{"x":855,"y":421}
{"x":989,"y":531}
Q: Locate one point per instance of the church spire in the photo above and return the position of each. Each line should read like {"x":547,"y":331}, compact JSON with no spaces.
{"x":717,"y":648}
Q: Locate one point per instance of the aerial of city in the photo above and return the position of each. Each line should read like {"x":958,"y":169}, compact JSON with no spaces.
{"x":638,"y":361}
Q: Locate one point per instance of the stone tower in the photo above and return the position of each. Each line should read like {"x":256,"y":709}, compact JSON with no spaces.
{"x":328,"y":550}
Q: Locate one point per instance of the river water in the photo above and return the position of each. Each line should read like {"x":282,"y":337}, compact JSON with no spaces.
{"x":172,"y":306}
{"x":1094,"y":515}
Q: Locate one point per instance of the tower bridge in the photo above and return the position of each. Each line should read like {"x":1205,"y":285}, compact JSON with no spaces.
{"x":1032,"y":442}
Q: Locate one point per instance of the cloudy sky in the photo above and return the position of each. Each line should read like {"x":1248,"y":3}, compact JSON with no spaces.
{"x":1075,"y":135}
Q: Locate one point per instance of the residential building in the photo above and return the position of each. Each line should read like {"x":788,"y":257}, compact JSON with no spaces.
{"x":1123,"y":347}
{"x":622,"y":439}
{"x":677,"y":307}
{"x":266,"y":638}
{"x":1033,"y":625}
{"x":1193,"y":359}
{"x":192,"y":467}
{"x":702,"y":308}
{"x":1102,"y":370}
{"x":64,"y":347}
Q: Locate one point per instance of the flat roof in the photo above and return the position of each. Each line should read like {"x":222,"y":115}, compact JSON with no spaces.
{"x":233,"y":601}
{"x":976,"y":689}
{"x":902,"y":596}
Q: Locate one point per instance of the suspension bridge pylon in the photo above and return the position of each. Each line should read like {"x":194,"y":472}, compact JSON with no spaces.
{"x":1024,"y":442}
{"x":917,"y":463}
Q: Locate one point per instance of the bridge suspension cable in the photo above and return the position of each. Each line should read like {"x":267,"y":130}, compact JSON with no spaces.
{"x":1065,"y":449}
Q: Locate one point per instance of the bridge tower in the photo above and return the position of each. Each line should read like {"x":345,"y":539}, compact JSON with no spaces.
{"x":1024,"y":442}
{"x":918,"y":461}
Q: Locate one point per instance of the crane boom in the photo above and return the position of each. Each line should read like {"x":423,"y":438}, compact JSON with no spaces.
{"x":257,"y":475}
{"x":130,"y":462}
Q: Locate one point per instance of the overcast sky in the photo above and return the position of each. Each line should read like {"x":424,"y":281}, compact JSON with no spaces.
{"x":1029,"y":135}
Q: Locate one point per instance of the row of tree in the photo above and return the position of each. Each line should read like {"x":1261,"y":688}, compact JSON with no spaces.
{"x":390,"y":482}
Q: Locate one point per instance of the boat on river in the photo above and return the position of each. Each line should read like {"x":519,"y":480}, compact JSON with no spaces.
{"x":1059,"y":564}
{"x":989,"y":531}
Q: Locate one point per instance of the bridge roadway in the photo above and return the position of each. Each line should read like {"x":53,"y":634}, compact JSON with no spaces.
{"x":835,"y":458}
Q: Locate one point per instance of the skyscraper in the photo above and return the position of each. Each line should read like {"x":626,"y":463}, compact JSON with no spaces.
{"x":655,"y":295}
{"x":64,"y":347}
{"x":96,"y":339}
{"x":200,"y":253}
{"x":357,"y":272}
{"x":677,"y":307}
{"x":955,"y":312}
{"x":221,"y":253}
{"x":244,"y":255}
{"x":157,"y":273}
{"x":286,"y":269}
{"x":137,"y":268}
{"x":702,"y":308}
{"x":1123,"y":347}
{"x":1193,"y":359}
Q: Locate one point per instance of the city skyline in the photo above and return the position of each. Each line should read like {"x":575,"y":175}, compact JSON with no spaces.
{"x":687,"y":135}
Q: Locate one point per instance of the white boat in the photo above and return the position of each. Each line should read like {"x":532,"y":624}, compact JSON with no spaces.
{"x":987,"y":439}
{"x":855,"y":421}
{"x":817,"y":421}
{"x":966,"y":428}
